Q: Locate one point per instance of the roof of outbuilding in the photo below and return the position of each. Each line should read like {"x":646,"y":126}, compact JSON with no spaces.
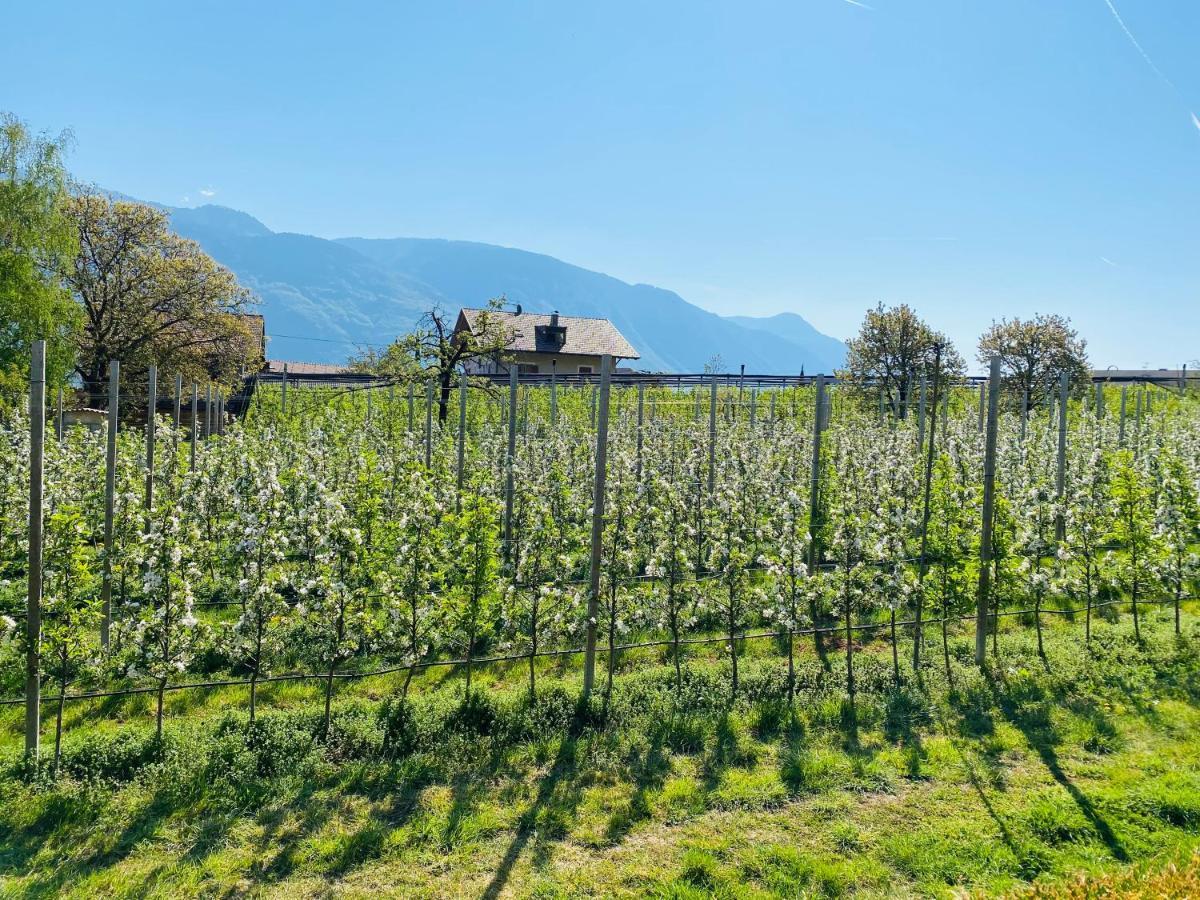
{"x":275,"y":367}
{"x":584,"y":336}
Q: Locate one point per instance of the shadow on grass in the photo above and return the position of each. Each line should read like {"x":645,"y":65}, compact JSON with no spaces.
{"x":1033,"y":723}
{"x":545,"y":816}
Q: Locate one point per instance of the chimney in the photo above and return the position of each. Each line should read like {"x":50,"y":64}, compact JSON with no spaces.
{"x":554,"y":319}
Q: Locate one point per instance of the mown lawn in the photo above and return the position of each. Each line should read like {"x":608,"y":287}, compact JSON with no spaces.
{"x":1033,"y":772}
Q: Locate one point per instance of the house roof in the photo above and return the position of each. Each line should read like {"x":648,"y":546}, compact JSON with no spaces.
{"x":275,"y":367}
{"x":584,"y":336}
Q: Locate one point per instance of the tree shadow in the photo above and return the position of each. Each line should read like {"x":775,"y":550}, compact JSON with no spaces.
{"x":1042,"y":739}
{"x":562,"y":772}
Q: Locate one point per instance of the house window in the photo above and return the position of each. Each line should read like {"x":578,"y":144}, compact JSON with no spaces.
{"x":527,"y":368}
{"x":585,"y":370}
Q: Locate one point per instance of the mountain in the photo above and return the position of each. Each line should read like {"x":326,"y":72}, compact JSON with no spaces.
{"x":797,"y":330}
{"x":322,"y":298}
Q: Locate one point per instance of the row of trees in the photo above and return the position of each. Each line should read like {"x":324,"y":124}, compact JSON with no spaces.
{"x":894,"y":349}
{"x":101,"y":278}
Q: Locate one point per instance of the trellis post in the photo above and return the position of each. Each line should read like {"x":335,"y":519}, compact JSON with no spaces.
{"x":712,"y":437}
{"x":601,"y":475}
{"x":989,"y":501}
{"x":208,"y":418}
{"x":554,"y":392}
{"x":110,"y":497}
{"x":921,"y":414}
{"x":33,"y":612}
{"x":429,"y":423}
{"x":814,"y":495}
{"x":151,"y":403}
{"x":462,"y":438}
{"x":195,"y":425}
{"x":1124,"y":406}
{"x":1060,"y":478}
{"x":923,"y":561}
{"x":982,"y":395}
{"x":283,"y":390}
{"x":510,"y":458}
{"x":58,"y":416}
{"x":178,"y":400}
{"x":641,"y":403}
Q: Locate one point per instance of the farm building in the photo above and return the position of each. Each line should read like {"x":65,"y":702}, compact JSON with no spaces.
{"x":540,"y":344}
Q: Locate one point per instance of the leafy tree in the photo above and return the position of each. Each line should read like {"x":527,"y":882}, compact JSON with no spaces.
{"x":893,"y":349}
{"x":470,"y":600}
{"x":151,"y":297}
{"x":1177,"y":521}
{"x":1133,"y":525}
{"x":1088,"y":519}
{"x":1034,"y":354}
{"x":435,"y":350}
{"x":37,"y":244}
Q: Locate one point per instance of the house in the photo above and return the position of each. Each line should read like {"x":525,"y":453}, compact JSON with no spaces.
{"x":279,"y":366}
{"x":541,"y":344}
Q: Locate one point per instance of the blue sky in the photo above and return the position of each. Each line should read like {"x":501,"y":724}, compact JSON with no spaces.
{"x":974,"y":159}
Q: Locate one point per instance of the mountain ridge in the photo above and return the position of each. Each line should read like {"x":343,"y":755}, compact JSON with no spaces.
{"x":323,"y":299}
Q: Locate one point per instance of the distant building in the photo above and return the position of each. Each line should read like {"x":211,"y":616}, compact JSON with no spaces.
{"x":568,"y":345}
{"x":277,"y":367}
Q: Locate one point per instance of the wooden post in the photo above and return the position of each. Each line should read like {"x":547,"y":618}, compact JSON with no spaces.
{"x":429,"y":423}
{"x":282,"y":391}
{"x":989,"y":502}
{"x":510,"y":458}
{"x":178,"y":400}
{"x":151,"y":403}
{"x":33,"y":612}
{"x":601,"y":475}
{"x":110,"y":497}
{"x":1124,"y":405}
{"x":1137,"y":422}
{"x":641,"y":418}
{"x":462,"y":437}
{"x":814,"y":495}
{"x":923,"y":559}
{"x":921,"y":414}
{"x":1060,"y":479}
{"x":195,"y":424}
{"x":712,"y":438}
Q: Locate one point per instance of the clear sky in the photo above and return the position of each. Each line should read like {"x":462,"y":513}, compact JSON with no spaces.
{"x":974,"y":158}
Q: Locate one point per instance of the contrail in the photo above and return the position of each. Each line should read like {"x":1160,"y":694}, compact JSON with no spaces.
{"x":861,"y":5}
{"x":1134,"y":41}
{"x":1195,"y":121}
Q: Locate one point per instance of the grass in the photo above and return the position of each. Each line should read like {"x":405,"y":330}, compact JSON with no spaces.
{"x":1045,"y":779}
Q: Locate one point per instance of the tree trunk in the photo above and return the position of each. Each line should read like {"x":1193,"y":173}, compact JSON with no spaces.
{"x":328,"y":697}
{"x":158,"y":718}
{"x":253,"y":693}
{"x":895,"y":652}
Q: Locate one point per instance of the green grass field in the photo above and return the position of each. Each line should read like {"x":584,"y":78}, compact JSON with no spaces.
{"x":1031,"y":773}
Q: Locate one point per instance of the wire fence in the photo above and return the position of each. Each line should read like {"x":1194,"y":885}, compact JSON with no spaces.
{"x":575,"y":651}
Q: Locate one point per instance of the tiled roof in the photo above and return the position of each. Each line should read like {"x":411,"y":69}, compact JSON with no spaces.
{"x":584,"y":336}
{"x":275,"y":367}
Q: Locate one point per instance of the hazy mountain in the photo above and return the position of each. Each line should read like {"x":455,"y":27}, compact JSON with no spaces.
{"x":321,"y":298}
